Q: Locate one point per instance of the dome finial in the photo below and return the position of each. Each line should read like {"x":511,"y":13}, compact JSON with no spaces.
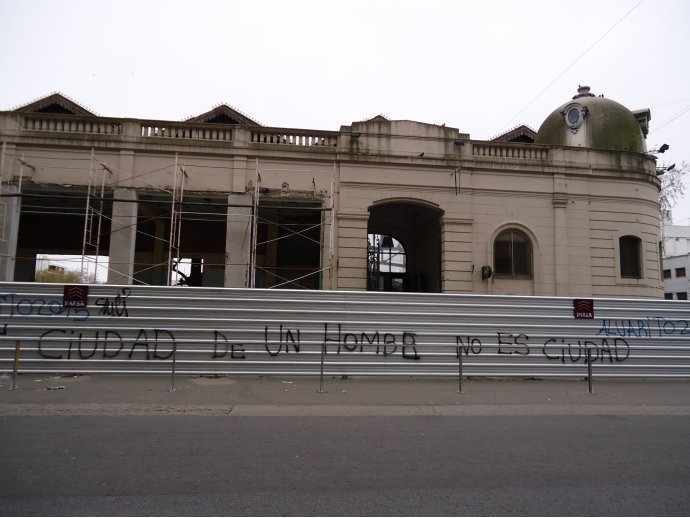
{"x":583,"y":91}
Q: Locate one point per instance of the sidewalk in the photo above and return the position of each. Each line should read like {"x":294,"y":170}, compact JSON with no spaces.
{"x":295,"y":396}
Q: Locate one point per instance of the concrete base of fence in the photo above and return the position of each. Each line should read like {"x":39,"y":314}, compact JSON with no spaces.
{"x":251,"y":395}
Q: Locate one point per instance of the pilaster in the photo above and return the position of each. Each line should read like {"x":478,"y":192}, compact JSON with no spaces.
{"x":238,"y":240}
{"x":123,"y":236}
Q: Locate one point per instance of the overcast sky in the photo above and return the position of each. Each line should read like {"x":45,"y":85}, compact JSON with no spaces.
{"x":483,"y":67}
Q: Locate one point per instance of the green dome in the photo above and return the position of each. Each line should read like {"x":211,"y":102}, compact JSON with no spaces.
{"x":594,"y":122}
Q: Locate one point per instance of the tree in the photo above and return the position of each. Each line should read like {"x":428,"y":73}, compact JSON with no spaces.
{"x":672,"y":184}
{"x":64,"y":277}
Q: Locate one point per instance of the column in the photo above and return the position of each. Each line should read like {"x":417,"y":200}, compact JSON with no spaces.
{"x":456,"y":255}
{"x":123,"y":234}
{"x":352,"y":251}
{"x":10,"y":209}
{"x":238,"y":240}
{"x":560,"y":227}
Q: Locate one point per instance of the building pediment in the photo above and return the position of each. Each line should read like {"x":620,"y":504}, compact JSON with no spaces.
{"x":379,"y":118}
{"x":224,"y":114}
{"x":55,"y":103}
{"x":522,"y":134}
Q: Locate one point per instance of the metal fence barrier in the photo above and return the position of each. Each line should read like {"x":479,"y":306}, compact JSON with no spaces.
{"x":216,"y":331}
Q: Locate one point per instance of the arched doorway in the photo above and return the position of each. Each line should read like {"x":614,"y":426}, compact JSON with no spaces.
{"x":412,"y":228}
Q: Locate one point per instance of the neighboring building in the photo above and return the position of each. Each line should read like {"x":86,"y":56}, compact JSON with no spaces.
{"x":45,"y":262}
{"x":677,"y":277}
{"x":676,"y":237}
{"x":676,"y":259}
{"x":575,"y":213}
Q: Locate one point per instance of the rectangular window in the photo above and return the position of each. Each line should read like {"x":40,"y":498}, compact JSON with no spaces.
{"x":667,"y":274}
{"x":683,"y":295}
{"x":680,"y":272}
{"x":668,"y":296}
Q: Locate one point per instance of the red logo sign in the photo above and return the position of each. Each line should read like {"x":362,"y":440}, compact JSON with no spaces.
{"x":583,"y":308}
{"x":75,"y":296}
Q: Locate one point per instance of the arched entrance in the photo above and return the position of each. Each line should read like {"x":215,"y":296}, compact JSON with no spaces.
{"x":413,"y":227}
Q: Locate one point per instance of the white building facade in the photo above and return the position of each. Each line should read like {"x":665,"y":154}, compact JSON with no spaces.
{"x":676,"y":260}
{"x":575,"y":213}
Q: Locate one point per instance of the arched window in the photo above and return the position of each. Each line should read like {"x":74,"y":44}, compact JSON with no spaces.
{"x":513,"y":255}
{"x":630,"y":250}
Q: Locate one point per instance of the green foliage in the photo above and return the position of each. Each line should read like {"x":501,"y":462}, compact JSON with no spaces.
{"x":64,"y":277}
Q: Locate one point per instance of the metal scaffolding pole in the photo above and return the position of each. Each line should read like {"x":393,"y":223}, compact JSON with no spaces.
{"x":290,"y":231}
{"x":3,"y":203}
{"x":255,"y":228}
{"x":179,"y":177}
{"x":93,"y":216}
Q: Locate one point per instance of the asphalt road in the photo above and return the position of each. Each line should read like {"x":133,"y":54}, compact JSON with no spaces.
{"x":315,"y":465}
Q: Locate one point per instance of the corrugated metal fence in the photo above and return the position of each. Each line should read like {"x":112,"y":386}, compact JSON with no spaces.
{"x":143,"y":329}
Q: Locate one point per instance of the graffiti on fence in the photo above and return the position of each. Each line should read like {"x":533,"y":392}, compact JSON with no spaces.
{"x":649,"y":327}
{"x":57,"y":344}
{"x":69,"y":341}
{"x":16,"y":306}
{"x":158,"y":344}
{"x":117,"y":307}
{"x":376,"y":341}
{"x":558,"y":349}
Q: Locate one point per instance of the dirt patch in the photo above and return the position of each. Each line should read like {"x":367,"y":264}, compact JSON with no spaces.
{"x":212,"y":380}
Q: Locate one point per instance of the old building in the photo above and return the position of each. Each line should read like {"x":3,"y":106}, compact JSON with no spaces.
{"x":379,"y":204}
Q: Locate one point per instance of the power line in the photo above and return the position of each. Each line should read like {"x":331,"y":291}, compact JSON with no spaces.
{"x":674,"y":117}
{"x":571,"y":65}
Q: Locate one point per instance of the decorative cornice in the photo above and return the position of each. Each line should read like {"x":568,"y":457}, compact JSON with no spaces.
{"x":560,"y":201}
{"x":353,"y":215}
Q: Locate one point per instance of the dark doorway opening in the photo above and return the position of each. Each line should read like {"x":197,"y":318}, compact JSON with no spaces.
{"x":416,"y":228}
{"x":288,"y":245}
{"x":200,"y":259}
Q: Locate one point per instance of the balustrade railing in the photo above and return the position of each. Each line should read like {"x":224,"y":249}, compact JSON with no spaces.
{"x":224,"y":133}
{"x":72,"y":124}
{"x":529,"y":151}
{"x":161,"y":129}
{"x":295,"y":137}
{"x":192,"y":131}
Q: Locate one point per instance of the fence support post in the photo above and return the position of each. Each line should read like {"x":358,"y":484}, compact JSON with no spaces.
{"x":323,"y":353}
{"x":174,"y":358}
{"x":460,"y":390}
{"x":15,"y":370}
{"x":589,"y":370}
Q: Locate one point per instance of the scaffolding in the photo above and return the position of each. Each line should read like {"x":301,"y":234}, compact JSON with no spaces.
{"x":281,"y":274}
{"x":303,"y":216}
{"x":10,"y":212}
{"x":4,"y":191}
{"x":179,"y":179}
{"x":93,"y":218}
{"x":7,"y":213}
{"x":94,"y":213}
